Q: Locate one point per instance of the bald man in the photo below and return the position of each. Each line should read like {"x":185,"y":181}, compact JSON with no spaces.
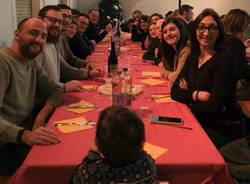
{"x":21,"y":79}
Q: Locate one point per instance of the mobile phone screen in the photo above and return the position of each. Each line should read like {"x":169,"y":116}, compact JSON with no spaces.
{"x":170,"y":119}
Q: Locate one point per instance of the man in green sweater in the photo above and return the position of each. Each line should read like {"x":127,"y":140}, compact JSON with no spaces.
{"x":21,"y":79}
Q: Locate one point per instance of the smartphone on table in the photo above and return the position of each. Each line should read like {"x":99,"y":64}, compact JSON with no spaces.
{"x":166,"y":120}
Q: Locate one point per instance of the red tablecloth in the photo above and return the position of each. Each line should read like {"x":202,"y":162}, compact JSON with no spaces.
{"x":191,"y":157}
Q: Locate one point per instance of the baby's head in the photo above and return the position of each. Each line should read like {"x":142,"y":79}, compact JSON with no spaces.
{"x":119,"y":135}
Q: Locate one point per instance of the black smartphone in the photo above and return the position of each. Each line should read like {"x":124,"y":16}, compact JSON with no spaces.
{"x":166,"y":120}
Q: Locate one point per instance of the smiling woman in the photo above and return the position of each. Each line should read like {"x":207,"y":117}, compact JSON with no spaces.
{"x":175,"y":46}
{"x":208,"y":80}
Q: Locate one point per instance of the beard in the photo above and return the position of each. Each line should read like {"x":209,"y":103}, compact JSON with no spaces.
{"x":53,"y":34}
{"x":29,"y":50}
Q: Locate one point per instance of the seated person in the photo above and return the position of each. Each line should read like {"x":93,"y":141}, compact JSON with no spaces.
{"x":21,"y":79}
{"x":175,"y":48}
{"x":52,"y":58}
{"x":78,"y":47}
{"x":117,"y":156}
{"x":145,"y":44}
{"x":153,"y":45}
{"x":139,"y":30}
{"x":208,"y":79}
{"x":155,"y":17}
{"x":67,"y":16}
{"x":235,"y":22}
{"x":63,"y":44}
{"x":237,"y":156}
{"x":83,"y":21}
{"x":93,"y":31}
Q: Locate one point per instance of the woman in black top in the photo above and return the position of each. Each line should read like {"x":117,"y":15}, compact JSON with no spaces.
{"x":208,"y":79}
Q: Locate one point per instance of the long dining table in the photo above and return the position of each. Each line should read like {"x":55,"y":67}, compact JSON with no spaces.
{"x":191,"y":158}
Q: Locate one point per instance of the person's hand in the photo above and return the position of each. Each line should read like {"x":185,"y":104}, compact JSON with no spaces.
{"x":93,"y":43}
{"x":108,"y":28}
{"x":203,"y":96}
{"x":90,"y":65}
{"x":96,"y":72}
{"x":156,"y":52}
{"x":165,"y":74}
{"x":73,"y":85}
{"x":183,"y":83}
{"x":40,"y":136}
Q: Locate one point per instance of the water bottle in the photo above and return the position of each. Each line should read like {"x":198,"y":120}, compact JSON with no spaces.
{"x":118,"y":98}
{"x":127,"y":86}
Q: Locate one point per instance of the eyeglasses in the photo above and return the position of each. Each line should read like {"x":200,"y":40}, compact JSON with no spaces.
{"x":53,"y":20}
{"x":213,"y":28}
{"x":66,"y":16}
{"x":84,"y":23}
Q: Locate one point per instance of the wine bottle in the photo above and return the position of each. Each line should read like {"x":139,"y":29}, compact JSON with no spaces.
{"x":117,"y":38}
{"x":112,"y":60}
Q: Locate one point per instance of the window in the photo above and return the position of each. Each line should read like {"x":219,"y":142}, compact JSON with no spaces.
{"x":23,"y":9}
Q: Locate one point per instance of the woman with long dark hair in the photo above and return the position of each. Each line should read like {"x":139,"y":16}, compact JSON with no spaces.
{"x":208,"y":79}
{"x":175,"y":48}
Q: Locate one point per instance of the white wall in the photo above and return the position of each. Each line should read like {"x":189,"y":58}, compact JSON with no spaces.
{"x":162,"y":6}
{"x":8,"y":10}
{"x":220,"y":6}
{"x":85,"y":5}
{"x":7,"y":21}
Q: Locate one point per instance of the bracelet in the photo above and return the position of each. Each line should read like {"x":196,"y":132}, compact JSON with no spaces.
{"x":20,"y":135}
{"x":196,"y":97}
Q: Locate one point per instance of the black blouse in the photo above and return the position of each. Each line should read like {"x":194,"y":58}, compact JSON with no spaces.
{"x":217,"y":76}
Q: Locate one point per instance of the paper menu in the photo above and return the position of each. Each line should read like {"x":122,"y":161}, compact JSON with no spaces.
{"x":152,"y":82}
{"x":154,"y":150}
{"x":153,"y":74}
{"x":80,"y":110}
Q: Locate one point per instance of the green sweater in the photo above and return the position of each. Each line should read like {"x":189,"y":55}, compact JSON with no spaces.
{"x":20,"y":83}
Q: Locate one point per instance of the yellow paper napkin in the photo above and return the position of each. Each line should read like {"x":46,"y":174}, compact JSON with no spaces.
{"x":153,"y":150}
{"x":162,"y":98}
{"x":74,"y":127}
{"x":80,"y":110}
{"x":89,"y":87}
{"x":152,"y":82}
{"x":153,"y":74}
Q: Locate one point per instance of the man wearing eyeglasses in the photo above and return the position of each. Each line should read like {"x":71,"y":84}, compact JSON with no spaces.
{"x":82,"y":50}
{"x":67,"y":16}
{"x":52,"y":59}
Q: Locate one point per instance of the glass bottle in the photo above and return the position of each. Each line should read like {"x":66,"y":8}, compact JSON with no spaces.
{"x":117,"y":38}
{"x":112,"y":60}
